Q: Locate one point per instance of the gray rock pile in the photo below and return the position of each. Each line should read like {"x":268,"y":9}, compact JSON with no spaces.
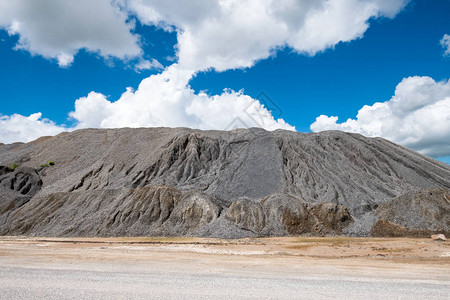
{"x":172,"y":182}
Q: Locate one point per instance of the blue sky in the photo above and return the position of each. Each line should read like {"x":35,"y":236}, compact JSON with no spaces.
{"x":341,"y":80}
{"x":332,"y":80}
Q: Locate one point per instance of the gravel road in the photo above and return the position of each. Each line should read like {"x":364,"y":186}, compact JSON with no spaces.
{"x":217,"y":269}
{"x":26,"y":283}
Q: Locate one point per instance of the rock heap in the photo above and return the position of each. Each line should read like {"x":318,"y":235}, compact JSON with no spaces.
{"x":246,"y":182}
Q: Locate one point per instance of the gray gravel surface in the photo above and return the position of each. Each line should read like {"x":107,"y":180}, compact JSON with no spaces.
{"x":26,"y":283}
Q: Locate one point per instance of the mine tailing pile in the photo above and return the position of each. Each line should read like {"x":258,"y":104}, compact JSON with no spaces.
{"x":246,"y":182}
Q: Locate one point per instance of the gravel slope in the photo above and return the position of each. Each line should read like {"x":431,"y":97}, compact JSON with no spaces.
{"x":162,"y":181}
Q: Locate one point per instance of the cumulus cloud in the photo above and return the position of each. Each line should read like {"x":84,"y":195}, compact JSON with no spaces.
{"x":417,"y":116}
{"x":218,"y":34}
{"x":58,"y":29}
{"x":166,"y":99}
{"x":228,"y":34}
{"x":16,"y":128}
{"x":148,"y":65}
{"x":445,"y":42}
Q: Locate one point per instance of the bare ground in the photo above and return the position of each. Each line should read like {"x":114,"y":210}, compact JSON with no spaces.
{"x":352,"y":266}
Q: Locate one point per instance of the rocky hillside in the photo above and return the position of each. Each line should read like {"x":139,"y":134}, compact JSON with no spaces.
{"x":162,"y":181}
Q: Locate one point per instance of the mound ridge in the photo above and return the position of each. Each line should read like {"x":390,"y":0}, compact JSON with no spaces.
{"x":180,"y":181}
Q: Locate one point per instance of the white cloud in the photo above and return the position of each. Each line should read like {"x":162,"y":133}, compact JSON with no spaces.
{"x":16,"y":128}
{"x":64,"y":60}
{"x":417,"y":116}
{"x":445,"y":42}
{"x":58,"y":29}
{"x":148,"y":65}
{"x":166,"y":99}
{"x":219,"y":34}
{"x":222,"y":34}
{"x":227,"y":34}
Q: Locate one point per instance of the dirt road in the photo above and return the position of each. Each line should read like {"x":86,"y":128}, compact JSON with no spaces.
{"x":180,"y":268}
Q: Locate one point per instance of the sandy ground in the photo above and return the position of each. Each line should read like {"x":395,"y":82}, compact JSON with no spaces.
{"x":263,"y":268}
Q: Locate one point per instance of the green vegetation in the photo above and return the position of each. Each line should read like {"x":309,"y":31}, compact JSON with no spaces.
{"x":14,"y":166}
{"x":50,"y":163}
